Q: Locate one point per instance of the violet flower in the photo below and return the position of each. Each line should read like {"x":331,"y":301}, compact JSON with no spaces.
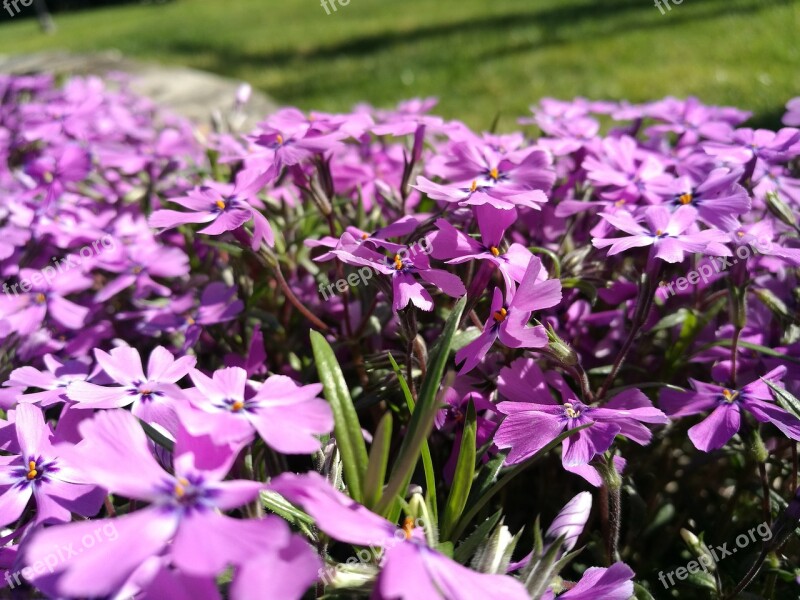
{"x":509,"y":317}
{"x":726,"y":406}
{"x":410,"y":569}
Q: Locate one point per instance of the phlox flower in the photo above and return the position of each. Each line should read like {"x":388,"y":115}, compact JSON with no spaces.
{"x":726,"y":406}
{"x":410,"y":569}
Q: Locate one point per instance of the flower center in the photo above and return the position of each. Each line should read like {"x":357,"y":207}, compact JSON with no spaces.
{"x":364,"y":236}
{"x":48,"y":177}
{"x":279,"y":139}
{"x":494,"y":251}
{"x":729,"y":396}
{"x":740,"y":233}
{"x":570,"y":411}
{"x":220,"y":204}
{"x":494,"y":174}
{"x":40,"y":298}
{"x":619,"y":203}
{"x":474,"y":186}
{"x":500,"y":315}
{"x":408,"y":527}
{"x":180,"y":487}
{"x":237,"y":406}
{"x":32,"y":472}
{"x":685,"y":198}
{"x":398,"y":262}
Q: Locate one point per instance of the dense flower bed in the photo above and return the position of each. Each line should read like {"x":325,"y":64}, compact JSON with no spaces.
{"x":354,"y":355}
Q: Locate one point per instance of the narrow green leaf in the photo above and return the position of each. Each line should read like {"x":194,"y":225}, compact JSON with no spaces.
{"x":347,"y":428}
{"x":378,"y":461}
{"x":427,"y":462}
{"x":750,"y":346}
{"x":158,"y":437}
{"x":787,"y":401}
{"x":508,"y":477}
{"x":464,"y":474}
{"x":422,"y":418}
{"x":467,"y":548}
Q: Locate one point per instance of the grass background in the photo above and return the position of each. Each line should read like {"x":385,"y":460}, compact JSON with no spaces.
{"x":479,"y":57}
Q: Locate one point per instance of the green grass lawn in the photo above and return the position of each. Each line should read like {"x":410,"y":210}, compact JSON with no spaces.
{"x":479,"y":57}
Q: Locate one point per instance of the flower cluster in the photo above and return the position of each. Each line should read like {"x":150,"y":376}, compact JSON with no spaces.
{"x":179,"y":403}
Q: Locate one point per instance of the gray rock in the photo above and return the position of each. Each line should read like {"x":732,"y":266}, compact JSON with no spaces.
{"x":189,"y":92}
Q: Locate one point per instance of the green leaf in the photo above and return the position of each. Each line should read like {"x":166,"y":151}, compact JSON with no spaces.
{"x":346,"y":428}
{"x":467,"y":548}
{"x":464,"y":474}
{"x":588,"y":290}
{"x":422,"y":418}
{"x":378,"y":461}
{"x":750,"y":346}
{"x":427,"y":462}
{"x":283,"y":508}
{"x":158,"y":437}
{"x":641,"y":593}
{"x":508,"y":477}
{"x":787,"y":401}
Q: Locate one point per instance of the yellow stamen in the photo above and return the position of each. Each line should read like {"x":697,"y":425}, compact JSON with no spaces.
{"x":32,"y":472}
{"x":571,"y":412}
{"x":237,"y":406}
{"x":659,"y":232}
{"x":619,"y":203}
{"x":398,"y":263}
{"x":474,"y":186}
{"x":500,"y":315}
{"x":279,"y":139}
{"x":408,"y":527}
{"x":180,"y":487}
{"x":220,"y":204}
{"x":364,"y":236}
{"x":494,"y":173}
{"x":685,"y":198}
{"x":40,"y":298}
{"x":48,"y":177}
{"x":740,"y":233}
{"x":494,"y":251}
{"x":729,"y":396}
{"x":137,"y":270}
{"x":190,"y":320}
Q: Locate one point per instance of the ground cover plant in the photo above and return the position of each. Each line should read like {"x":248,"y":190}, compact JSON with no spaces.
{"x":380,"y":354}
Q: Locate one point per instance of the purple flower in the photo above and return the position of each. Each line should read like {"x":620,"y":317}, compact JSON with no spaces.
{"x":667,"y":233}
{"x":286,"y":415}
{"x":185,"y":518}
{"x":719,"y":199}
{"x":449,"y":243}
{"x":534,"y":418}
{"x":44,"y":299}
{"x":792,"y":116}
{"x":39,"y":471}
{"x":613,"y":583}
{"x":53,"y":382}
{"x":726,"y":406}
{"x":153,"y":395}
{"x":509,"y":318}
{"x":410,"y":569}
{"x":224,"y":207}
